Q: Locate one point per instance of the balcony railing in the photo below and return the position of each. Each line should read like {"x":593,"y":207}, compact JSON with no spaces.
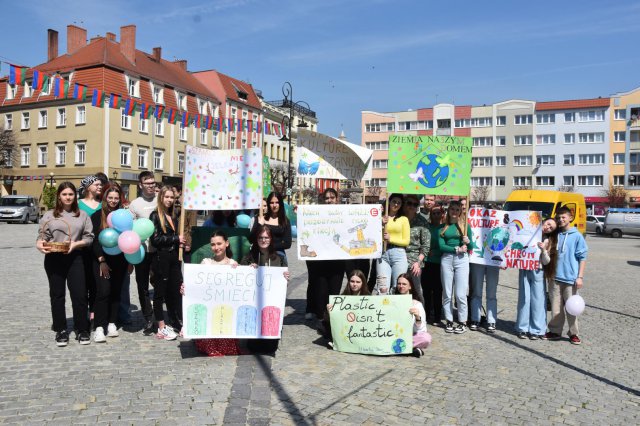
{"x":443,"y":132}
{"x":301,"y":110}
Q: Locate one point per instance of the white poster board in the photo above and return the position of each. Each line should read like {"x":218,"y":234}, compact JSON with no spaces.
{"x":348,"y":231}
{"x":242,"y":302}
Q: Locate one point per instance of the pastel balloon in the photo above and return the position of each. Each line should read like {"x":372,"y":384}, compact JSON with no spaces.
{"x":129,"y":242}
{"x":243,"y":220}
{"x":109,"y":237}
{"x":143,"y":227}
{"x":109,"y":220}
{"x":294,"y":231}
{"x":122,"y":220}
{"x":574,"y":305}
{"x":136,"y":257}
{"x":112,"y":251}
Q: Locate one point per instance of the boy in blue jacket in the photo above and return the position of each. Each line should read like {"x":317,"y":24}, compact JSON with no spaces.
{"x":572,"y":259}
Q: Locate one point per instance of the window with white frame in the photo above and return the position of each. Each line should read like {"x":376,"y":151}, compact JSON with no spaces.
{"x":215,"y":140}
{"x":180,"y":162}
{"x":11,"y":91}
{"x":523,"y":119}
{"x":501,"y":120}
{"x":125,"y":155}
{"x":569,"y":117}
{"x":244,"y":143}
{"x":158,"y":159}
{"x":481,"y":161}
{"x":458,"y":124}
{"x":569,"y":138}
{"x":43,"y":152}
{"x":26,"y":121}
{"x":590,"y":159}
{"x":618,"y":158}
{"x":590,"y":180}
{"x":523,"y":140}
{"x":591,"y":137}
{"x":61,"y":117}
{"x":501,"y":141}
{"x":483,"y":141}
{"x":42,"y":119}
{"x":80,"y":152}
{"x":568,"y":159}
{"x":380,"y":127}
{"x":380,"y":164}
{"x":202,"y":106}
{"x":182,"y":131}
{"x":125,"y":120}
{"x":378,"y":146}
{"x":158,"y":94}
{"x":143,"y":125}
{"x":620,"y":114}
{"x":203,"y":136}
{"x":522,"y":160}
{"x":545,"y":180}
{"x":567,"y":180}
{"x":81,"y":114}
{"x":25,"y":156}
{"x":234,"y":112}
{"x":181,"y":100}
{"x":501,"y":161}
{"x":232,"y":143}
{"x":522,"y":181}
{"x":594,"y":115}
{"x":546,"y":139}
{"x":545,"y":160}
{"x":61,"y":154}
{"x":481,"y":181}
{"x":28,"y":91}
{"x":255,"y":124}
{"x":619,"y":136}
{"x":133,"y":86}
{"x":618,"y":180}
{"x":381,"y":182}
{"x":481,"y":122}
{"x":143,"y":158}
{"x":8,"y":122}
{"x":500,"y":181}
{"x":545,"y":118}
{"x":159,"y":127}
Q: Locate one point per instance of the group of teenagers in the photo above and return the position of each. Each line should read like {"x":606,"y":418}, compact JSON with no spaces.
{"x":426,"y":255}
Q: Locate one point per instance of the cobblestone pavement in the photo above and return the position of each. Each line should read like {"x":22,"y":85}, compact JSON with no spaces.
{"x":471,"y":378}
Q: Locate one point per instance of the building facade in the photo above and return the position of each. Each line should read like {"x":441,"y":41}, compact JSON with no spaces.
{"x":625,"y":148}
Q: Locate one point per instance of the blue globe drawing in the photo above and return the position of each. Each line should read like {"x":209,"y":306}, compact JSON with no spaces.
{"x":498,"y":239}
{"x":434,"y":174}
{"x":399,"y":346}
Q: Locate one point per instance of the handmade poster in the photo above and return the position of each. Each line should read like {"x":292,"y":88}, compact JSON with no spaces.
{"x":242,"y":302}
{"x":223,"y":179}
{"x":506,"y":239}
{"x":438,"y":165}
{"x":342,"y":231}
{"x":375,"y":325}
{"x":266,"y":176}
{"x":325,"y":157}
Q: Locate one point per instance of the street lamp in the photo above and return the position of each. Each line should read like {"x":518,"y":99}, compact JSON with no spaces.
{"x":51,"y":174}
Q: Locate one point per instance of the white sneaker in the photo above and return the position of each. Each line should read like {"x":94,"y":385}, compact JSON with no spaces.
{"x":98,"y":336}
{"x":166,"y":333}
{"x":112,"y":330}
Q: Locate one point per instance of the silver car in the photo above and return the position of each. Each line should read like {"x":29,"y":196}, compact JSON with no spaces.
{"x":595,"y":224}
{"x":19,"y":208}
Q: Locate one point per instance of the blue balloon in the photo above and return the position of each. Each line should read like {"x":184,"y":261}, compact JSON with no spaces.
{"x":109,"y":237}
{"x":243,"y":221}
{"x":122,"y":220}
{"x":113,"y":251}
{"x":137,"y":257}
{"x":294,"y":231}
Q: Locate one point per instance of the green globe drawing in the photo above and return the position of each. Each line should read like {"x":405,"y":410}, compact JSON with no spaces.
{"x":497,"y":241}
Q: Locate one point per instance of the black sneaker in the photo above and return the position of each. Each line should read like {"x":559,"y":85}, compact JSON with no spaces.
{"x":522,"y":335}
{"x":491,"y":328}
{"x":149,"y":329}
{"x":533,"y":337}
{"x":474,"y":326}
{"x":461,"y":328}
{"x":84,"y":338}
{"x":449,"y":327}
{"x":417,"y":352}
{"x":62,"y":338}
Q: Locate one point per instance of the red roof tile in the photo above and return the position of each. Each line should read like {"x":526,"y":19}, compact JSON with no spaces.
{"x":215,"y":80}
{"x":572,"y":104}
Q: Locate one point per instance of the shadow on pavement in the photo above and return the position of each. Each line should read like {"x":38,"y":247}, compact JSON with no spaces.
{"x":633,"y":263}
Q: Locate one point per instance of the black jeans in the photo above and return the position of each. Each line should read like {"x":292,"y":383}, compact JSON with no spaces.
{"x":432,"y":289}
{"x":90,"y":283}
{"x":167,"y":269}
{"x":142,"y":280}
{"x":67,"y":269}
{"x":108,"y":291}
{"x":325,"y":279}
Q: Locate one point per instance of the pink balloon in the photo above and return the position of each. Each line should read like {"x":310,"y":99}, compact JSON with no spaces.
{"x":109,"y":220}
{"x":129,"y":242}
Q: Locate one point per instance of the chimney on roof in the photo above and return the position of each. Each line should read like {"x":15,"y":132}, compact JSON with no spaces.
{"x":111,"y":37}
{"x":52,"y":44}
{"x":94,"y":38}
{"x":76,"y":38}
{"x":128,"y":42}
{"x":182,"y":63}
{"x":157,"y":53}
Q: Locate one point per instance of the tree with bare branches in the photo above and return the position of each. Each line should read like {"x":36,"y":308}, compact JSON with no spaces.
{"x":8,"y":149}
{"x":566,"y":188}
{"x":616,"y":195}
{"x":480,"y":194}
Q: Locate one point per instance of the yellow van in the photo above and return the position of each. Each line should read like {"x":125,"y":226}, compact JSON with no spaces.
{"x":548,"y":202}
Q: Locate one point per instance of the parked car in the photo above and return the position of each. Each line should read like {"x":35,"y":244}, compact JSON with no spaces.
{"x":619,"y":222}
{"x":595,"y":224}
{"x":19,"y":208}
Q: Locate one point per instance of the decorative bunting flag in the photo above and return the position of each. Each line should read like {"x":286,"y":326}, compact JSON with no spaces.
{"x":219,"y":124}
{"x":17,"y":74}
{"x":115,"y":101}
{"x":230,"y":124}
{"x":97,"y":100}
{"x":159,"y":112}
{"x":130,"y":107}
{"x":60,"y":88}
{"x":208,"y":123}
{"x":185,"y":119}
{"x":172,"y":117}
{"x":79,"y":92}
{"x":145,"y":111}
{"x":40,"y":81}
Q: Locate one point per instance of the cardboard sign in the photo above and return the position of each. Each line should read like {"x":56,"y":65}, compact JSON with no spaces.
{"x":375,"y":325}
{"x":348,"y":231}
{"x":241,"y":302}
{"x":439,"y":165}
{"x":223,"y":179}
{"x":506,"y":239}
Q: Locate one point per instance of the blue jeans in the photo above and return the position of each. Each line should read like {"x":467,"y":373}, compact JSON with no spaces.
{"x":478,"y":274}
{"x":454,"y":272}
{"x":392,"y":263}
{"x":124,"y":316}
{"x":532,"y":314}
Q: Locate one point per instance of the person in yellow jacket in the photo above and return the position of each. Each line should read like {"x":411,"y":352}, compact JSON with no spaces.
{"x":396,"y":237}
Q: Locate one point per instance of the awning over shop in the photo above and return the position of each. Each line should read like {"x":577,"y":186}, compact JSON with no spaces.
{"x":594,"y":200}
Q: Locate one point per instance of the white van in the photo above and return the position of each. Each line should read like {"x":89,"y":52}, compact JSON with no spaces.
{"x":19,"y":208}
{"x":619,"y":222}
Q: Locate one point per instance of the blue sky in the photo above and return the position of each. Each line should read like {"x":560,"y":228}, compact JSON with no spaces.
{"x":343,"y":57}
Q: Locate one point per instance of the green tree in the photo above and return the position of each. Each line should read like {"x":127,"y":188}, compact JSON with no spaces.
{"x":49,"y":196}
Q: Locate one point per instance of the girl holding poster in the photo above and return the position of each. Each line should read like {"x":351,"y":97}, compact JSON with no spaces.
{"x":421,"y":338}
{"x":454,"y":265}
{"x":396,"y":236}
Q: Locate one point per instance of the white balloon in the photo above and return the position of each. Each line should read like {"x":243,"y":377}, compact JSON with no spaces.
{"x":574,"y":305}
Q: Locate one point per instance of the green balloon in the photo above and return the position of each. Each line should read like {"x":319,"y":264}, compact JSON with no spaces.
{"x":143,"y":227}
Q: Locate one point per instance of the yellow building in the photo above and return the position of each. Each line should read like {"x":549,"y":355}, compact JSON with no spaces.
{"x":625,"y":148}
